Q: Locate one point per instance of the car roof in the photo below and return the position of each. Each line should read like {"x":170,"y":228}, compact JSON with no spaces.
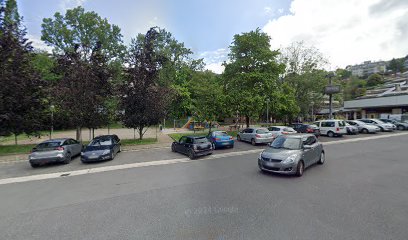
{"x":280,"y":126}
{"x":56,"y":140}
{"x":298,"y":135}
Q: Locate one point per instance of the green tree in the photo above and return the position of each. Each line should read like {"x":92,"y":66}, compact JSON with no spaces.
{"x":304,"y":74}
{"x":21,"y":91}
{"x":396,"y":65}
{"x":45,"y":64}
{"x":251,"y":73}
{"x":353,"y":88}
{"x":208,"y":97}
{"x":374,"y":79}
{"x":88,"y":50}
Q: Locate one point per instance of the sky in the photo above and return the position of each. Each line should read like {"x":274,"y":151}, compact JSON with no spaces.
{"x":347,"y":32}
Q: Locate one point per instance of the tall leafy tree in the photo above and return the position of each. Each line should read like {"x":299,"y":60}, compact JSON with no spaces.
{"x":304,"y":73}
{"x":251,"y":73}
{"x":21,"y":88}
{"x":396,"y":65}
{"x":143,"y":100}
{"x":88,"y":50}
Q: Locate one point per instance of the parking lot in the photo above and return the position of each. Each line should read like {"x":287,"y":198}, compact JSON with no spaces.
{"x":22,"y":168}
{"x":359,"y":193}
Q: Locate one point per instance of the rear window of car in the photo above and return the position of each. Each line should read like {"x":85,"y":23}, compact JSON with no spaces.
{"x":200,"y":140}
{"x":220,"y":134}
{"x":262,"y":131}
{"x":101,"y":142}
{"x":327,"y":124}
{"x":48,"y":145}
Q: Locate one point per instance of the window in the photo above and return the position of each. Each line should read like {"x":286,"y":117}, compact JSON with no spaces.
{"x":200,"y":140}
{"x":327,"y":124}
{"x":286,"y":143}
{"x":189,"y":140}
{"x":48,"y":145}
{"x":101,"y":142}
{"x":310,"y":141}
{"x":249,"y":130}
{"x":183,"y":139}
{"x":274,"y":129}
{"x":342,"y":123}
{"x":262,"y":131}
{"x":220,"y":134}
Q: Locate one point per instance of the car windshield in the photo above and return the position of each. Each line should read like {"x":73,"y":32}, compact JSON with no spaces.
{"x":48,"y":145}
{"x":288,"y":129}
{"x":100,"y":142}
{"x":286,"y":143}
{"x":220,"y":134}
{"x":200,"y":140}
{"x":262,"y":131}
{"x":378,"y":121}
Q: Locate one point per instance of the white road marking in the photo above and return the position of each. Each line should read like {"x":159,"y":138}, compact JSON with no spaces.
{"x":161,"y":162}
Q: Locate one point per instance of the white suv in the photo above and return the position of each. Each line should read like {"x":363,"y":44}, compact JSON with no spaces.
{"x":332,"y":128}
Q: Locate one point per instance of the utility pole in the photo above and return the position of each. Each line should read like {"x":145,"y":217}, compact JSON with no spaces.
{"x":330,"y":100}
{"x":52,"y":120}
{"x":267,"y":111}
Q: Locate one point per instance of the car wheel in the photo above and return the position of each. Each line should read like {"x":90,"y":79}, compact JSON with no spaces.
{"x":400,"y":127}
{"x":173,"y":148}
{"x":322,"y":158}
{"x":34,"y":165}
{"x":68,"y":158}
{"x":300,"y":168}
{"x":238,"y":138}
{"x":191,"y":154}
{"x":365,"y":130}
{"x":330,"y":134}
{"x":382,"y":129}
{"x":253,"y":142}
{"x":112,"y":156}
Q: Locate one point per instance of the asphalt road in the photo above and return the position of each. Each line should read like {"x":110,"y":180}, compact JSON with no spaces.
{"x":361,"y":192}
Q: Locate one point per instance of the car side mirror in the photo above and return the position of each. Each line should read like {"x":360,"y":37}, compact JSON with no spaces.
{"x":305,"y":147}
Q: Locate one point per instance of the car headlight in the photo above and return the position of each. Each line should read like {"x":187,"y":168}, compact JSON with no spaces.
{"x":290,"y":159}
{"x":106,"y":152}
{"x":82,"y":153}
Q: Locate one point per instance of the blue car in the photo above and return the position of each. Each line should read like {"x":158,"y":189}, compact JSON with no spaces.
{"x":101,"y":148}
{"x":220,"y":139}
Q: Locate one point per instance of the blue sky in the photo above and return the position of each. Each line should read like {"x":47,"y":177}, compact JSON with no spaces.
{"x":346,"y":32}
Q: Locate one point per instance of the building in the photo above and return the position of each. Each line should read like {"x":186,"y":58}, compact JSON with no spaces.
{"x":389,"y":98}
{"x":367,"y":68}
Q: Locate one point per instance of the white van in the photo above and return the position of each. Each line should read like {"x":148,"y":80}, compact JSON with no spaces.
{"x":332,"y":128}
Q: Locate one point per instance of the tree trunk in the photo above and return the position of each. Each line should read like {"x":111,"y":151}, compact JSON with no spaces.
{"x":140,"y":133}
{"x":93,"y":133}
{"x":247,"y":121}
{"x":78,"y":134}
{"x":210,"y":126}
{"x":108,"y":129}
{"x":134,"y":134}
{"x":15,"y":139}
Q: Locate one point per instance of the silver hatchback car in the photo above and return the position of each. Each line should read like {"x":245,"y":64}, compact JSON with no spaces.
{"x":55,"y":150}
{"x":291,"y":154}
{"x":255,"y":135}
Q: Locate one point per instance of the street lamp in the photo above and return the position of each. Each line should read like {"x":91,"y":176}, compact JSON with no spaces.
{"x":267,"y":111}
{"x":52,"y":108}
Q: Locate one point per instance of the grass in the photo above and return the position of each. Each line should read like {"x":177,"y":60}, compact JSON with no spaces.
{"x":16,"y":149}
{"x":26,"y":148}
{"x":177,"y":136}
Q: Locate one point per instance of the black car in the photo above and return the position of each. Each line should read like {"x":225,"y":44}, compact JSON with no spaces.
{"x":101,"y":148}
{"x":306,"y":128}
{"x":193,"y":146}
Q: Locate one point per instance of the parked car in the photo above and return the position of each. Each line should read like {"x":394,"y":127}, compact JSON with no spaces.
{"x":101,"y":148}
{"x":220,"y":139}
{"x":255,"y":135}
{"x":306,"y":128}
{"x":385,"y":127}
{"x":193,"y":146}
{"x":399,"y":125}
{"x":351,"y":129}
{"x":281,"y":130}
{"x":291,"y":154}
{"x":364,"y":127}
{"x":332,"y":127}
{"x":54,"y":150}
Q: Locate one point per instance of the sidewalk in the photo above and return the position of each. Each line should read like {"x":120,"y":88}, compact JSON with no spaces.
{"x":163,"y":141}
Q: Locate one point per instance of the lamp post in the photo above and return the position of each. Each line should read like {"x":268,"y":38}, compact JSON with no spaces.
{"x":267,"y":111}
{"x":52,"y":107}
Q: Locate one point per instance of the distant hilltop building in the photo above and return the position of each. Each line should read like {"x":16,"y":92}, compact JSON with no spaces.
{"x":367,"y":68}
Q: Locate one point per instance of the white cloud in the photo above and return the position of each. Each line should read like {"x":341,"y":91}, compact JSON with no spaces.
{"x":347,"y":31}
{"x":38,"y":44}
{"x":68,"y":4}
{"x":214,"y":59}
{"x":267,"y":10}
